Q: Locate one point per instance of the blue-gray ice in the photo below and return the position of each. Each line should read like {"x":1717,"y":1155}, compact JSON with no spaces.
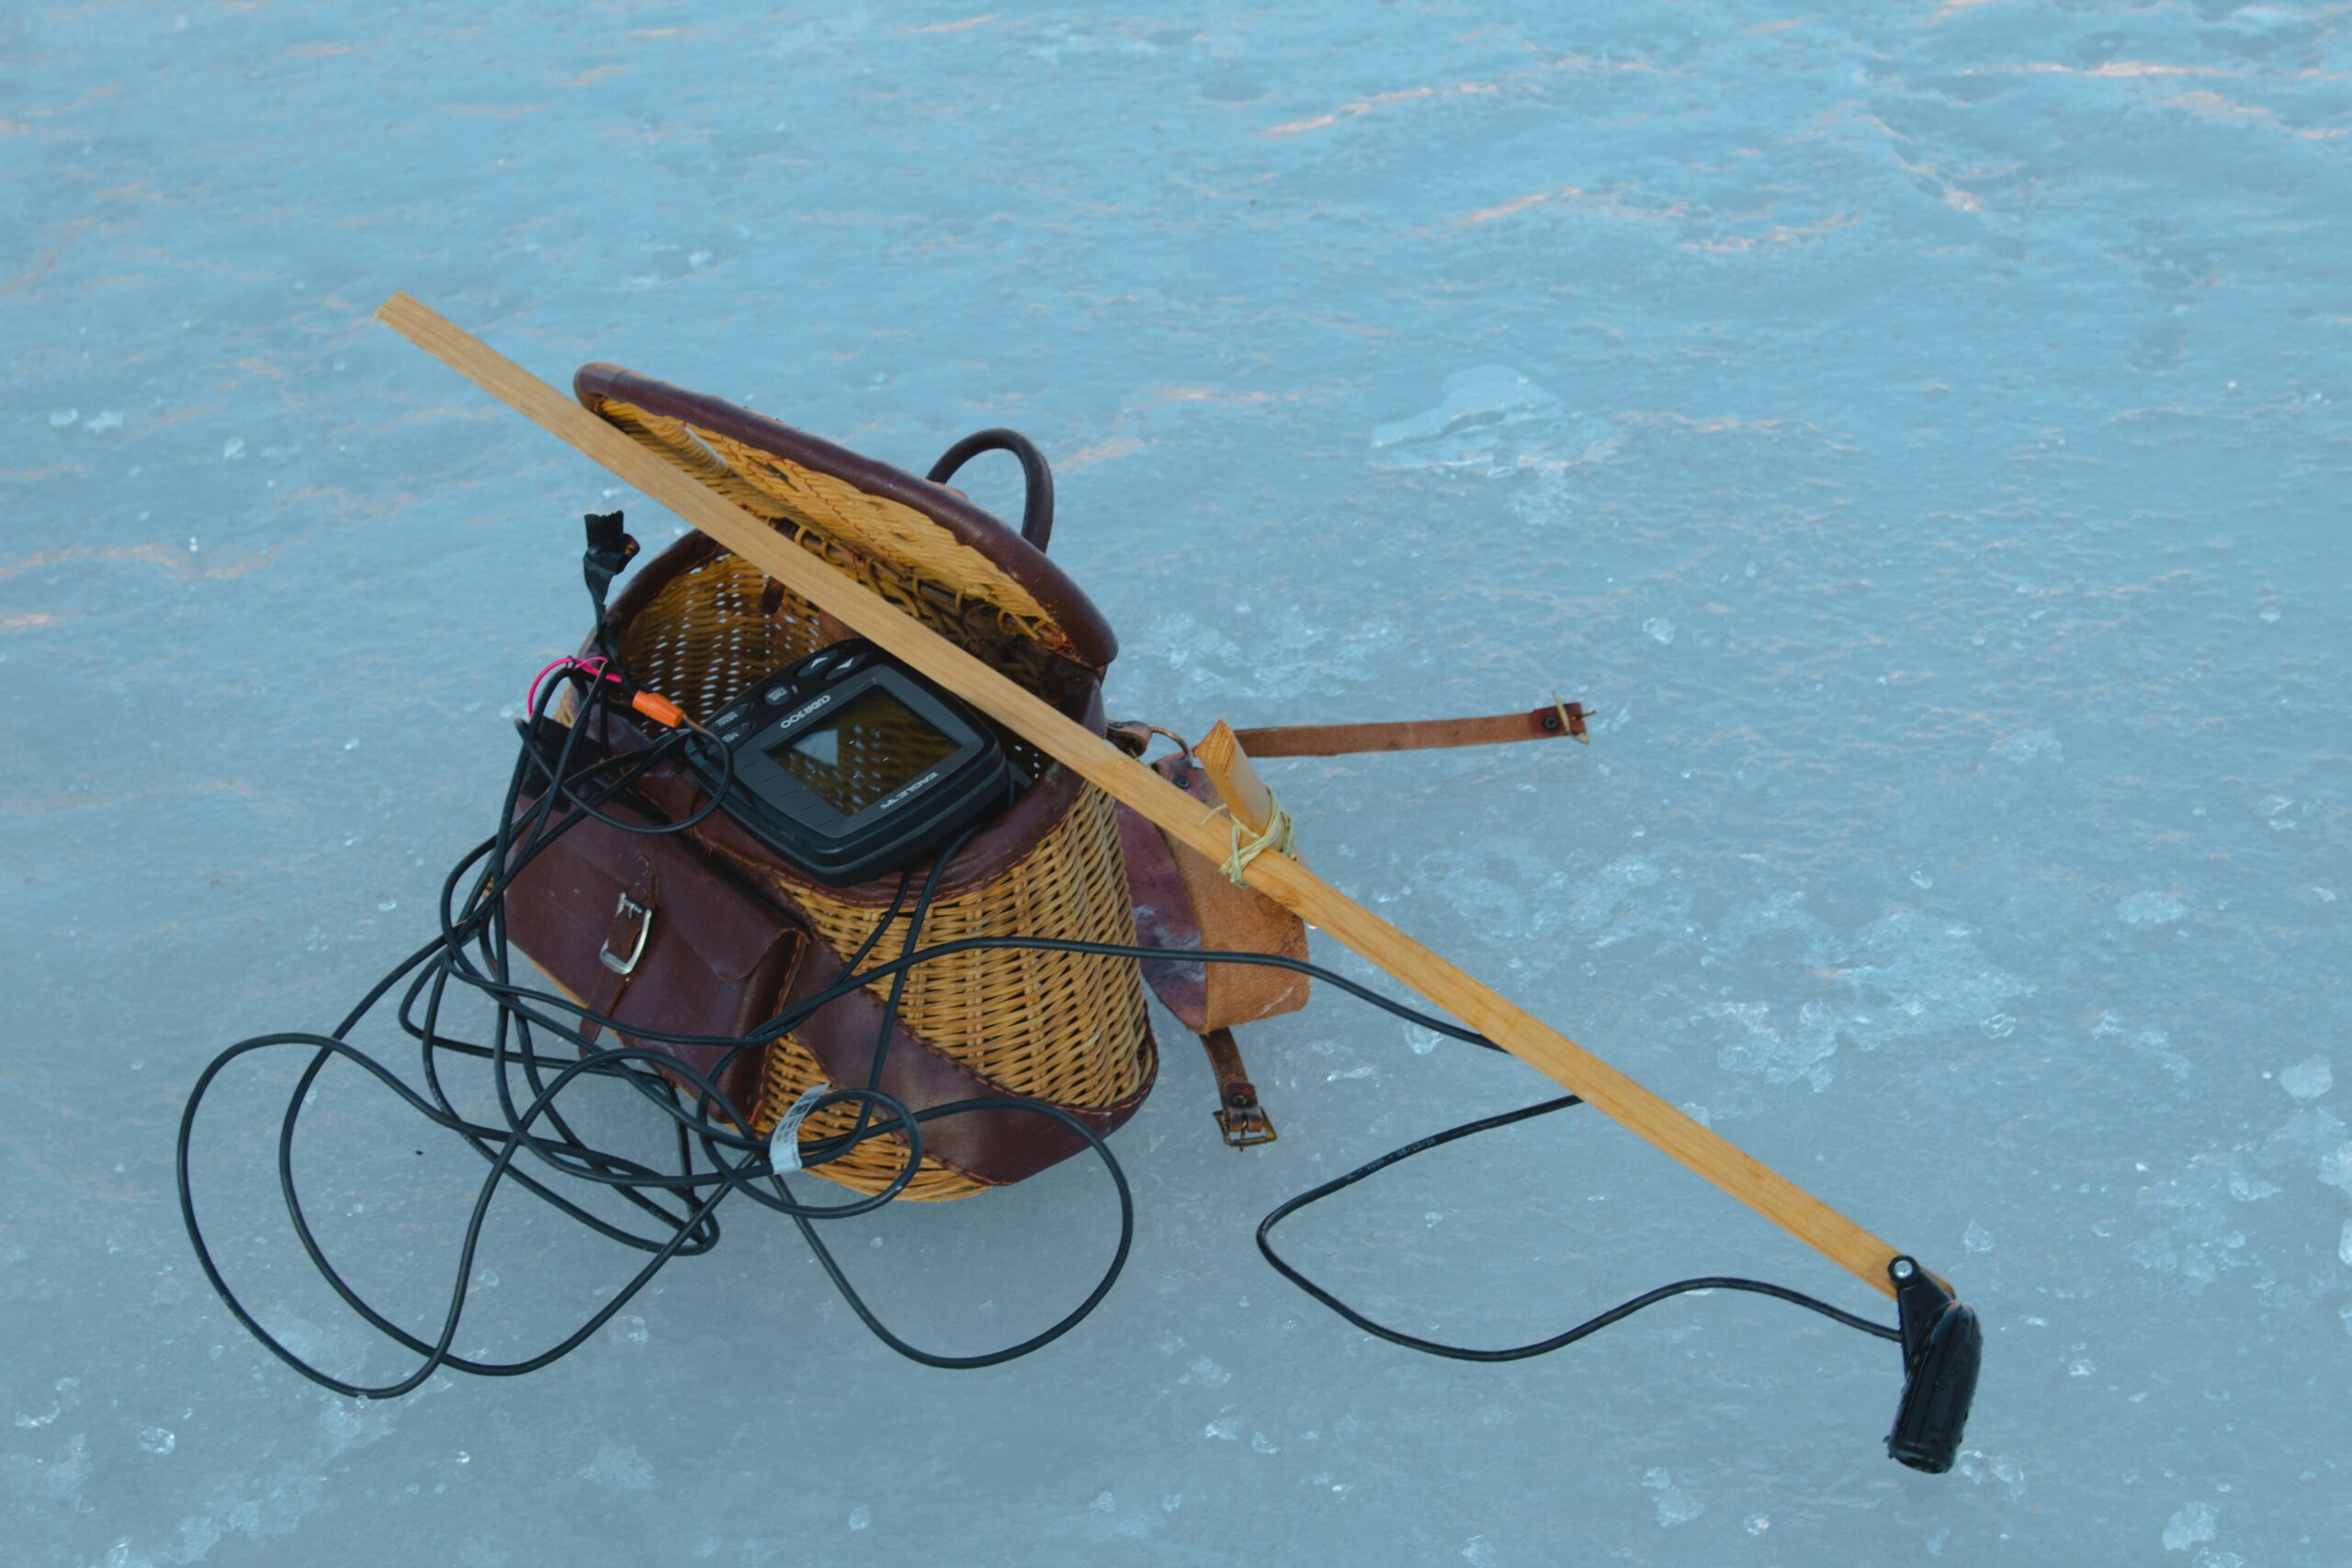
{"x":1920,"y":433}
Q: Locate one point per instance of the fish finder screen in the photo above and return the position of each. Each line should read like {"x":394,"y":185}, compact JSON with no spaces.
{"x":872,"y":746}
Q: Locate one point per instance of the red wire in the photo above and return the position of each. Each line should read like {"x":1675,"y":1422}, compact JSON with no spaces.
{"x":593,"y":667}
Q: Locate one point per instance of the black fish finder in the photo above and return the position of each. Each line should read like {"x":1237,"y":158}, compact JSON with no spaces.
{"x":850,"y":765}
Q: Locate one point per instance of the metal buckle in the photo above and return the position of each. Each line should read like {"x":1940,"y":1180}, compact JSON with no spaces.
{"x":1243,"y":1125}
{"x":605,"y":954}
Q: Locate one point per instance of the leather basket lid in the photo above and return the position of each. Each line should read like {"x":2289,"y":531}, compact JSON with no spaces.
{"x":920,"y":544}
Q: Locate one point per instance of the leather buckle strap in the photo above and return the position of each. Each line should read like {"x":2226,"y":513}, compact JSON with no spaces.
{"x":1239,"y":1117}
{"x":1549,"y":722}
{"x":629,"y":912}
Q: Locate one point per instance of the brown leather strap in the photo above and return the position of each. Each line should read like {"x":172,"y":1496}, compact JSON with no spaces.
{"x":996,"y":1147}
{"x":1417,"y":735}
{"x":1238,"y":1115}
{"x":628,"y":918}
{"x":627,"y":931}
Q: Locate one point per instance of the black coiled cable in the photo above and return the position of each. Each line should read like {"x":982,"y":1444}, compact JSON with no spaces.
{"x":472,"y":950}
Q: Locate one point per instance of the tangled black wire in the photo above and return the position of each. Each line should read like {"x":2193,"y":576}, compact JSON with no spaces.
{"x":546,"y":796}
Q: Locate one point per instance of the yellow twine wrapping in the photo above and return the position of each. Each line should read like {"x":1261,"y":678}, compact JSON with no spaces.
{"x":1279,"y":837}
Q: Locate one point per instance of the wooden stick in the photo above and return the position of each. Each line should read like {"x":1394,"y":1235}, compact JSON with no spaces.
{"x":1177,"y":814}
{"x":1236,"y":782}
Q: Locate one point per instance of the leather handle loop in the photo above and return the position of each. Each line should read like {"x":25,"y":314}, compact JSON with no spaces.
{"x":1037,"y":475}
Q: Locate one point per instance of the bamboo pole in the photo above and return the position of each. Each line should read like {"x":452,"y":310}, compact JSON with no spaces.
{"x":1126,"y":780}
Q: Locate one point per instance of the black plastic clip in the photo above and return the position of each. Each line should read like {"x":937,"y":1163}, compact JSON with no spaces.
{"x":1943,"y":1347}
{"x":609,"y":550}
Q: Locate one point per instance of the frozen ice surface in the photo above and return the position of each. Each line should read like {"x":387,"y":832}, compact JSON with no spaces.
{"x":1919,"y":432}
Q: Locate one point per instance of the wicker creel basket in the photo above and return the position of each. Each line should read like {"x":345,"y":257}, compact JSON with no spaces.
{"x":700,"y":625}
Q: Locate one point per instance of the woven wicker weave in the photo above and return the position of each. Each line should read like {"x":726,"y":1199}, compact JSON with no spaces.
{"x":892,"y":549}
{"x":1059,"y":1027}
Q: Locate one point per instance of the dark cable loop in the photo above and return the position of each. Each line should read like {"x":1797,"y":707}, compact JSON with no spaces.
{"x":1536,"y":1347}
{"x":472,"y":952}
{"x":472,"y":926}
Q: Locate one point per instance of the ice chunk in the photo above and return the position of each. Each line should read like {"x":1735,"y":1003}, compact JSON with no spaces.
{"x":862,"y":1515}
{"x":618,"y":1465}
{"x":1479,"y":1553}
{"x":2193,"y":1524}
{"x":1976,"y":1239}
{"x":2335,"y":1166}
{"x":2309,"y":1078}
{"x":2150,"y":910}
{"x":2027,"y":744}
{"x":1924,"y":977}
{"x":1483,"y":397}
{"x":160,"y":1441}
{"x":1493,"y":417}
{"x":1675,"y":1506}
{"x":2153,"y":1044}
{"x":1801,"y":1052}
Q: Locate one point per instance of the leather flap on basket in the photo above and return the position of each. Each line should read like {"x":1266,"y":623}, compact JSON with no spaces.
{"x":1182,"y":900}
{"x":644,"y":930}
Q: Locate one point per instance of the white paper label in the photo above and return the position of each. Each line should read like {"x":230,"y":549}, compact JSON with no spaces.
{"x":784,"y":1143}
